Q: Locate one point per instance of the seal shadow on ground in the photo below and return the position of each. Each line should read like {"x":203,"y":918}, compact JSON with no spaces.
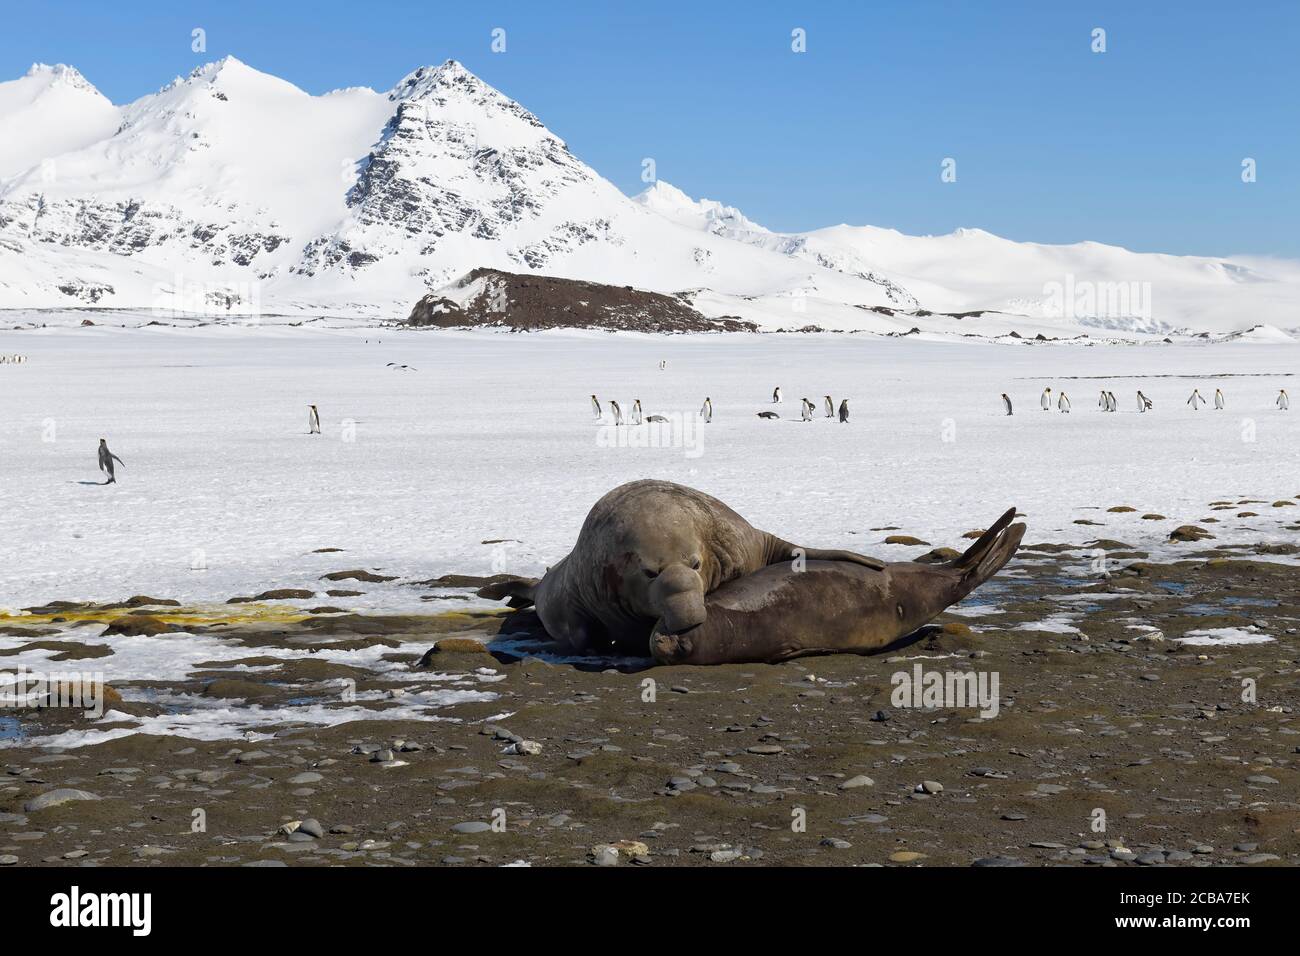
{"x":522,"y":635}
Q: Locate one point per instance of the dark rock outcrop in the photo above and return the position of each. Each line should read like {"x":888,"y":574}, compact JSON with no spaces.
{"x":531,"y":302}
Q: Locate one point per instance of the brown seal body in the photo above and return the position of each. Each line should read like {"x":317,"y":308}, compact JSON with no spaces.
{"x":780,"y":612}
{"x":648,"y":553}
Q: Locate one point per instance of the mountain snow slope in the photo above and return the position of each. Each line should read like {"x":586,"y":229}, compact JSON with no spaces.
{"x":1088,"y":283}
{"x":232,"y":192}
{"x":50,"y":111}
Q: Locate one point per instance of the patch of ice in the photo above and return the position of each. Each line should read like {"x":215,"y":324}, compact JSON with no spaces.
{"x":1056,"y":624}
{"x":199,"y":718}
{"x":1216,"y":636}
{"x":975,"y":610}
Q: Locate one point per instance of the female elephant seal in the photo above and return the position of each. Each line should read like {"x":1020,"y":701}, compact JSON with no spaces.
{"x":777,"y":613}
{"x":649,"y":552}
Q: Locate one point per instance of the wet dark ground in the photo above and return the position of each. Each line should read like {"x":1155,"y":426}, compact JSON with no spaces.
{"x":1114,"y":742}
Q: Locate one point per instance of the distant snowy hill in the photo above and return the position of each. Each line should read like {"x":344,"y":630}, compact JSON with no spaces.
{"x":1087,"y":284}
{"x":232,"y":192}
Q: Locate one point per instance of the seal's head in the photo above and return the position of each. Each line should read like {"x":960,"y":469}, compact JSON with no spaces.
{"x":662,"y":575}
{"x":716,"y":641}
{"x":668,"y":648}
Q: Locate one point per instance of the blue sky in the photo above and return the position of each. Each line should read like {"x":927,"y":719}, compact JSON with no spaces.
{"x":1139,"y":146}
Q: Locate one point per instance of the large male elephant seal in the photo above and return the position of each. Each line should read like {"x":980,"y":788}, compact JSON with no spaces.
{"x":779,"y":613}
{"x":649,"y":552}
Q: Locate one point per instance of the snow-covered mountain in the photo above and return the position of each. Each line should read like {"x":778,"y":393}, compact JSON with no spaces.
{"x":50,"y":111}
{"x":970,"y":270}
{"x":232,"y":192}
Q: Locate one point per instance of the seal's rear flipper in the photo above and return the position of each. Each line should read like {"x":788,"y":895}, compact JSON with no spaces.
{"x":520,"y":591}
{"x":986,"y":557}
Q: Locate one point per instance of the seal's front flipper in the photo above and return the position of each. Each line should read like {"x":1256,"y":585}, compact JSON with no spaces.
{"x":823,"y":554}
{"x":779,"y":550}
{"x":522,"y":592}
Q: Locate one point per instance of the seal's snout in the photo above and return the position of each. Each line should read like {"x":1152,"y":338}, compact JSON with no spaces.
{"x":683,"y":612}
{"x":678,"y":596}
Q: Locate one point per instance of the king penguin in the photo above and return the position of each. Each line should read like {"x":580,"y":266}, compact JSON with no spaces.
{"x":106,"y":459}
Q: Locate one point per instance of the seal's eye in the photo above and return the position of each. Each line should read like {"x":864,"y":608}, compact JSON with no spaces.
{"x":695,"y":565}
{"x":651,"y":574}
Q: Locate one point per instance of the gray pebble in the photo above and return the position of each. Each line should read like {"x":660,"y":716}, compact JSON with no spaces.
{"x":472,"y":826}
{"x":53,"y":798}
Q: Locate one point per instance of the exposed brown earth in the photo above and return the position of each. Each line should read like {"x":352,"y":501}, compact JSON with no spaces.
{"x":532,"y":302}
{"x":713,"y":766}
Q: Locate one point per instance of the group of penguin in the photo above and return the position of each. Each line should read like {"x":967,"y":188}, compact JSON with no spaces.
{"x":808,"y":410}
{"x":1108,"y":403}
{"x":636,"y":416}
{"x":12,"y":359}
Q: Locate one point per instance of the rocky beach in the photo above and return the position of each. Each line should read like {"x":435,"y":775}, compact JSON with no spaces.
{"x":1146,"y":715}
